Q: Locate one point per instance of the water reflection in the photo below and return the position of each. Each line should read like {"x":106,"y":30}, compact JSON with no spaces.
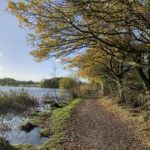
{"x":10,"y":130}
{"x":21,"y":137}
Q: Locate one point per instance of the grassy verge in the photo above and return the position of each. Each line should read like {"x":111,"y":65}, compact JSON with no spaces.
{"x":16,"y":101}
{"x":137,"y":119}
{"x":58,"y":121}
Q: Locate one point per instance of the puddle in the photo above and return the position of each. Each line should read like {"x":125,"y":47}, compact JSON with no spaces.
{"x":10,"y":128}
{"x":16,"y":136}
{"x":21,"y":137}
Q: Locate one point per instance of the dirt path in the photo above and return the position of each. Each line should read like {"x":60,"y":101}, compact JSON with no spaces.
{"x":92,"y":127}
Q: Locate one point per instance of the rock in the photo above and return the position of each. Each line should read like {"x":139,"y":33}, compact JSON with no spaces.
{"x":28,"y":127}
{"x":49,"y":102}
{"x":56,"y":105}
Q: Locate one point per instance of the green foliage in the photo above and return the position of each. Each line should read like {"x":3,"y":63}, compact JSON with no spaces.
{"x":69,"y":84}
{"x":50,"y":83}
{"x":61,"y":115}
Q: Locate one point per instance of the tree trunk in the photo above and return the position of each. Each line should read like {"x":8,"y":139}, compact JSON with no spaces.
{"x":143,"y":77}
{"x":121,"y":91}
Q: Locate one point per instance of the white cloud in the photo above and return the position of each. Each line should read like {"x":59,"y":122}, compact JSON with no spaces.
{"x":1,"y":54}
{"x":1,"y":67}
{"x":58,"y":60}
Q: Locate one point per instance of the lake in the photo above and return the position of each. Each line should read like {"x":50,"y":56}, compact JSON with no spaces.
{"x":14,"y":135}
{"x":33,"y":91}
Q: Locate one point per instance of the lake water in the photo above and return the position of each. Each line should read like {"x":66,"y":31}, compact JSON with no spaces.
{"x":14,"y":135}
{"x":33,"y":91}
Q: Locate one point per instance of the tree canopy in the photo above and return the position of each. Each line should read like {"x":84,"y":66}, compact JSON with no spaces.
{"x":113,"y":36}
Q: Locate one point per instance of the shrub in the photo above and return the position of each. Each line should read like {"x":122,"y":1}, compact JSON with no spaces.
{"x":84,"y":90}
{"x":16,"y":101}
{"x":69,"y":84}
{"x":137,"y":98}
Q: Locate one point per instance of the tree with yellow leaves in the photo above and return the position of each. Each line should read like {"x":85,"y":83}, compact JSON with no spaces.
{"x":64,"y":27}
{"x":98,"y":66}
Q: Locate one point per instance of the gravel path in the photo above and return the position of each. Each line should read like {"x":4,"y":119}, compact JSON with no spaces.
{"x":92,"y":127}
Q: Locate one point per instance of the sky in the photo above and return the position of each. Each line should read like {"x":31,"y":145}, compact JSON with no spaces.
{"x":15,"y":60}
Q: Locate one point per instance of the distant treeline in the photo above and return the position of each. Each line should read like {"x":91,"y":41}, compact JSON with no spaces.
{"x":13,"y":82}
{"x":45,"y":83}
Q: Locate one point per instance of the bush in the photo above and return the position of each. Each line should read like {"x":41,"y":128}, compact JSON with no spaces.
{"x":144,"y":98}
{"x":69,"y":84}
{"x":84,"y":90}
{"x":16,"y":101}
{"x":137,"y":98}
{"x":77,"y":89}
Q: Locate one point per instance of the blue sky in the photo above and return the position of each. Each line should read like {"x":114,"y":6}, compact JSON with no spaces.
{"x":15,"y":61}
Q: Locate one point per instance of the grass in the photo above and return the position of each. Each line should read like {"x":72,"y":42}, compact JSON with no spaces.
{"x":59,"y":116}
{"x":16,"y":101}
{"x":42,"y":119}
{"x":58,"y":120}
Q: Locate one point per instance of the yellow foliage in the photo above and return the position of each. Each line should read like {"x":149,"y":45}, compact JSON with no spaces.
{"x":22,"y":6}
{"x":12,"y":5}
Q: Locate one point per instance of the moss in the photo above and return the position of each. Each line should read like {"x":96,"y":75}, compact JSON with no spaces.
{"x":59,"y":116}
{"x":45,"y":133}
{"x":23,"y":147}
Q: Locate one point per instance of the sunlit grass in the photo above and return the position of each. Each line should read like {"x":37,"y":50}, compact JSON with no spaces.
{"x":58,"y":121}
